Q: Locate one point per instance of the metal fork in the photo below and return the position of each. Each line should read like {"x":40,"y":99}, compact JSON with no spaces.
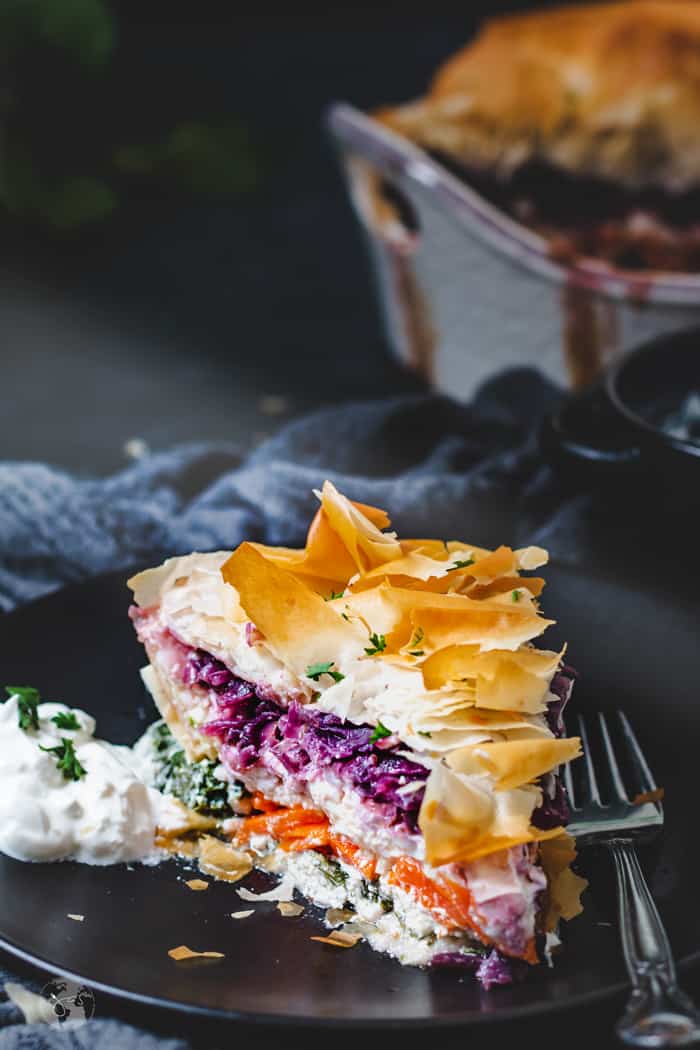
{"x":659,"y":1013}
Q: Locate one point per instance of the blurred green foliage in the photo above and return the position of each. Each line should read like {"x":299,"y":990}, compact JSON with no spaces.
{"x":211,"y":157}
{"x":61,"y":205}
{"x":83,"y":28}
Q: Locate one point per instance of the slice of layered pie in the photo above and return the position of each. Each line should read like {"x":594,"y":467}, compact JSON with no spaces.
{"x":386,"y":734}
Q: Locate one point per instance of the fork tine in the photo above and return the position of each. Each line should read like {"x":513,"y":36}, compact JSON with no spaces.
{"x":612,"y":761}
{"x":646,"y":775}
{"x":569,"y":785}
{"x":594,"y":794}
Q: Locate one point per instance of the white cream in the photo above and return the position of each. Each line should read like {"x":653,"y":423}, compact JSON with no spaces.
{"x":107,"y":816}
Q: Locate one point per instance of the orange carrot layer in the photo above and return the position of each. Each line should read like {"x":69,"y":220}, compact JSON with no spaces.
{"x":359,"y":858}
{"x":297,"y":828}
{"x":311,"y":836}
{"x":449,"y":901}
{"x":263,"y":804}
{"x":279,"y":823}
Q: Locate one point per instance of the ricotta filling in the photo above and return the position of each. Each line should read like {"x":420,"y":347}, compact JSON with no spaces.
{"x":388,"y":918}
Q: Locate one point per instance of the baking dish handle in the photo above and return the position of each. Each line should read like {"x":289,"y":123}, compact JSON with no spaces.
{"x":588,"y":436}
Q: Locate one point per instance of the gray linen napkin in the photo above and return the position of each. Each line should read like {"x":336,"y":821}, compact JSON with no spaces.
{"x":468,"y":472}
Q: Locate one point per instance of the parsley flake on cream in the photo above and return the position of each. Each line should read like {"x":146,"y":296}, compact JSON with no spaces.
{"x":28,"y":700}
{"x":66,"y":720}
{"x":66,"y":759}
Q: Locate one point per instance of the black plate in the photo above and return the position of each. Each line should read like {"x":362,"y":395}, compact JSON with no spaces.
{"x":636,"y":648}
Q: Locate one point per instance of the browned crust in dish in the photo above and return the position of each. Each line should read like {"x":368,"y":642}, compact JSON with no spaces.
{"x":608,"y":91}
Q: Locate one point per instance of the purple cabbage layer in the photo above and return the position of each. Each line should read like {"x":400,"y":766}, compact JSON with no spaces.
{"x":307,"y":742}
{"x":554,"y":810}
{"x":561,"y":685}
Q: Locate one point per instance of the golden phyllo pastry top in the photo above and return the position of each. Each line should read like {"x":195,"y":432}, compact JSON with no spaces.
{"x":604,"y":90}
{"x":429,"y":641}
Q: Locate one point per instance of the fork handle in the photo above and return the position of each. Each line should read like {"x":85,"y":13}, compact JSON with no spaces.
{"x":659,"y":1013}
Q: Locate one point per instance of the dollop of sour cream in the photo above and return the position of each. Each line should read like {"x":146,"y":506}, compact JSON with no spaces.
{"x":107,"y":816}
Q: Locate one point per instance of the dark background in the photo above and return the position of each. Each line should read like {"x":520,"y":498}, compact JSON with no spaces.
{"x":172,"y":317}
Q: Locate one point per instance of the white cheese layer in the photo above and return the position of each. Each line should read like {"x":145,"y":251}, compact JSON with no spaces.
{"x":407,"y":932}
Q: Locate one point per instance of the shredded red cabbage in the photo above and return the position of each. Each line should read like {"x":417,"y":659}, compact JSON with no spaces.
{"x":498,"y":969}
{"x":554,"y":810}
{"x":489,"y":970}
{"x":457,"y":960}
{"x":561,"y":685}
{"x":306,"y":741}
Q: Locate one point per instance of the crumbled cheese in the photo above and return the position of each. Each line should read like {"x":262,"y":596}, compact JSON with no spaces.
{"x":282,"y":892}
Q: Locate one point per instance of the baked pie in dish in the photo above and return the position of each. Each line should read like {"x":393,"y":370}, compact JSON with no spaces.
{"x":580,"y":122}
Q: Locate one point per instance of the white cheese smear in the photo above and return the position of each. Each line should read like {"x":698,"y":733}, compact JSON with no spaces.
{"x":107,"y":816}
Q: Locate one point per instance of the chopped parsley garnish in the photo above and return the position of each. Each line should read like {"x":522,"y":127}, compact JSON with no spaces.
{"x":378,"y":644}
{"x":314,"y":672}
{"x":66,"y":759}
{"x":28,"y":700}
{"x":463,"y":564}
{"x":515,"y":596}
{"x":66,"y":720}
{"x":424,"y":732}
{"x":345,"y":617}
{"x":332,"y":596}
{"x":417,"y":652}
{"x":379,"y":732}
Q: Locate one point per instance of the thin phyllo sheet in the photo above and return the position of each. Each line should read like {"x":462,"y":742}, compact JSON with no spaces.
{"x":389,"y":734}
